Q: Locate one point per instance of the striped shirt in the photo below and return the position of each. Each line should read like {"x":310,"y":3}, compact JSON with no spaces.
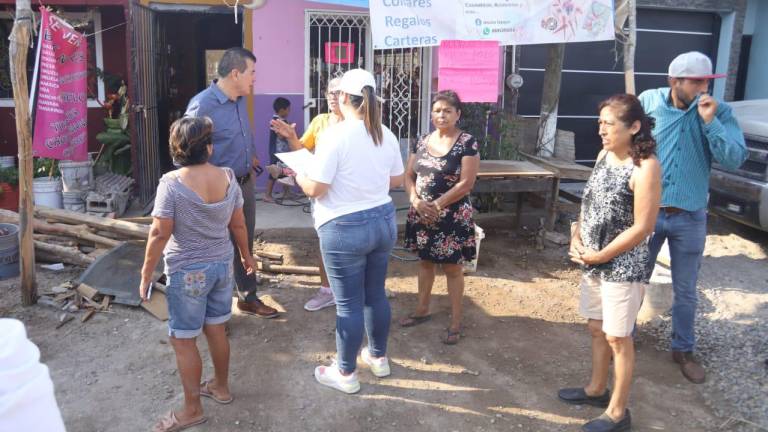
{"x":200,"y":229}
{"x":686,"y":146}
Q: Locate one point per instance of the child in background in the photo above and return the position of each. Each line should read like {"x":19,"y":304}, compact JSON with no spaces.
{"x":277,"y":144}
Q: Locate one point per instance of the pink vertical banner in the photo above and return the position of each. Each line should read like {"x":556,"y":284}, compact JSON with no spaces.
{"x":61,"y":102}
{"x":470,"y":68}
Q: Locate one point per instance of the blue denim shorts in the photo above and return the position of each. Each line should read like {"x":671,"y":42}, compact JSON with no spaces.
{"x":199,"y":294}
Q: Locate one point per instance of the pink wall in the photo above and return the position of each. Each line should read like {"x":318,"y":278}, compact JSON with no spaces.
{"x":278,"y":42}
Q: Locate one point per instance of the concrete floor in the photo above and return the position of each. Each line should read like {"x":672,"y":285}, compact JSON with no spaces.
{"x":293,"y":214}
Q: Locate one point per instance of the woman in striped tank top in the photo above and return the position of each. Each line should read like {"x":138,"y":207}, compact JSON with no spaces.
{"x":197,"y":208}
{"x":610,"y":240}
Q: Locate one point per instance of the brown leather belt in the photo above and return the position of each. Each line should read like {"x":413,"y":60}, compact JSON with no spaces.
{"x":672,"y":210}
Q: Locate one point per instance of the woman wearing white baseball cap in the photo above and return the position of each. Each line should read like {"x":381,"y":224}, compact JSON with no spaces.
{"x":357,"y":162}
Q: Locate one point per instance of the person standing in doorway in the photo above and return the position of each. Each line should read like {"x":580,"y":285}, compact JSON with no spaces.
{"x":692,"y":129}
{"x":323,"y":298}
{"x":233,"y":147}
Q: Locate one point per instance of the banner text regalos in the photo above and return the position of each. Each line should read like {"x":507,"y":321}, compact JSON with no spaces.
{"x":413,"y":23}
{"x":60,"y":101}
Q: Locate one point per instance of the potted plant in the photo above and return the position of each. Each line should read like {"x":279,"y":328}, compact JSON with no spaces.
{"x":114,"y":155}
{"x":9,"y":188}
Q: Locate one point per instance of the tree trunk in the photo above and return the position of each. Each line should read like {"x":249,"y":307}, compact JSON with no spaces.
{"x":629,"y":49}
{"x":18,"y":50}
{"x":550,"y":98}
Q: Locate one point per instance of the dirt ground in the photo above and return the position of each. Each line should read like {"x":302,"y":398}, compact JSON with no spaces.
{"x":523,"y":341}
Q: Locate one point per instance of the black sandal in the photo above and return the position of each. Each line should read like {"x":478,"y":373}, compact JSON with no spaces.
{"x":452,"y":337}
{"x":414,"y":320}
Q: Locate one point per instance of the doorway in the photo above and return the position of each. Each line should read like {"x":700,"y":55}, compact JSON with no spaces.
{"x":191,"y":43}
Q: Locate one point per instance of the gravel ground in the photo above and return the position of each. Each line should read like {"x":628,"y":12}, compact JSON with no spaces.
{"x":731,"y":326}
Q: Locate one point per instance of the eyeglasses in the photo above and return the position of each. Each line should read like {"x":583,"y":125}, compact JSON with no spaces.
{"x":333,"y":93}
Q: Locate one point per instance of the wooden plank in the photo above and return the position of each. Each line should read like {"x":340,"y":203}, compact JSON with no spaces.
{"x":128,"y":229}
{"x":88,"y":314}
{"x":505,"y":185}
{"x":157,"y":305}
{"x":270,"y":255}
{"x":105,"y":303}
{"x":271,"y":268}
{"x":564,"y":169}
{"x":565,"y":145}
{"x":87,"y":291}
{"x":499,"y":168}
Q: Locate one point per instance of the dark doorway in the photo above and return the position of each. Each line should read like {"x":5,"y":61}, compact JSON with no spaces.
{"x":189,"y":42}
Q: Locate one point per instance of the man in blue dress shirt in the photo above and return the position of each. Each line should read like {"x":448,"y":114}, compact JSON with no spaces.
{"x":692,"y":128}
{"x":233,"y":146}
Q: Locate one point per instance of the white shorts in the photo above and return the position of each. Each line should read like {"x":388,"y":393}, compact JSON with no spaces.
{"x":615,"y":303}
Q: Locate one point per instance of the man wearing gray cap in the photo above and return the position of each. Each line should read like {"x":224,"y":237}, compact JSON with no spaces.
{"x":692,"y":128}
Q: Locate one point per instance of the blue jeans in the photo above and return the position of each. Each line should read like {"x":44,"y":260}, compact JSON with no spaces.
{"x":199,"y":294}
{"x":686,"y":233}
{"x":355,"y":250}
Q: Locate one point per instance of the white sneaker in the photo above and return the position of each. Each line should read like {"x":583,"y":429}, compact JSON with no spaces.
{"x":379,"y":366}
{"x":322,"y":299}
{"x":331,"y":376}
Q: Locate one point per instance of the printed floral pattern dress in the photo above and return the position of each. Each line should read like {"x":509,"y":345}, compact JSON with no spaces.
{"x":450,"y":239}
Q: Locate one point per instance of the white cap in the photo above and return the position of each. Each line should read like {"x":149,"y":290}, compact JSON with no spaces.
{"x":353,"y":81}
{"x":692,"y":64}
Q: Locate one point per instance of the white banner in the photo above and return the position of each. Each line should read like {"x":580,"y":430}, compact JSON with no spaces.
{"x":413,"y":23}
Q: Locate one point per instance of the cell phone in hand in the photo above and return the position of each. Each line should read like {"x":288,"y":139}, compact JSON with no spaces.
{"x":149,"y":291}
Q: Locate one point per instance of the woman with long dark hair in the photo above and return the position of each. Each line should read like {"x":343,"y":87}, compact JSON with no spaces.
{"x":357,"y":161}
{"x":610,"y":240}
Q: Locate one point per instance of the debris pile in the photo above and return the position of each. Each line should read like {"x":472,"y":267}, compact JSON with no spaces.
{"x":64,"y":236}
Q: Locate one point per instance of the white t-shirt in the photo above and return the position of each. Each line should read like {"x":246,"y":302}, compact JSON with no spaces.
{"x":356,"y":169}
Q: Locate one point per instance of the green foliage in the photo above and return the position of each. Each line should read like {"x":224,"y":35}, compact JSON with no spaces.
{"x":473,"y":121}
{"x":9,"y":175}
{"x":500,"y":143}
{"x":45,"y":167}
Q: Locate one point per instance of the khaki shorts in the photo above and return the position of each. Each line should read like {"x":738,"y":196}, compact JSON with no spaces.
{"x":614,"y":303}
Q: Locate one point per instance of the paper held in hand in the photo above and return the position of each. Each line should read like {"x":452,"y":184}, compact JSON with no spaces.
{"x":300,"y":160}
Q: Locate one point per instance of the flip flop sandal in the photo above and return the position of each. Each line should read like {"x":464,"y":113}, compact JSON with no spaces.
{"x":206,"y":392}
{"x":452,"y":337}
{"x":169,"y":423}
{"x":413,"y":320}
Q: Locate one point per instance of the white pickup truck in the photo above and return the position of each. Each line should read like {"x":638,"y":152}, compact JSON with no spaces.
{"x":742,"y":194}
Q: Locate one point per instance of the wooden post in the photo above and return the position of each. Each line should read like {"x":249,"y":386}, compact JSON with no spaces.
{"x":550,"y":98}
{"x":18,"y":49}
{"x":629,"y":48}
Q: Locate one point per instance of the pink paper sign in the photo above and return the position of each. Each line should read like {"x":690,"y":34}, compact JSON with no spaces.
{"x":61,"y":121}
{"x":470,"y":68}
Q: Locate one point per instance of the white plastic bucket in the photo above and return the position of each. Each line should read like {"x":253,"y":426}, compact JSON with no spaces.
{"x":47,"y":192}
{"x":77,"y":176}
{"x":471,"y":267}
{"x":7,"y":161}
{"x":73,"y":201}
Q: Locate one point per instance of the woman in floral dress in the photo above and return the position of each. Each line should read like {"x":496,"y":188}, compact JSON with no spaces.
{"x":441,"y":173}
